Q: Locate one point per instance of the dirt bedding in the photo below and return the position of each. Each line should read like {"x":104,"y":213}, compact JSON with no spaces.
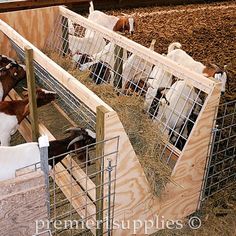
{"x":207,"y":32}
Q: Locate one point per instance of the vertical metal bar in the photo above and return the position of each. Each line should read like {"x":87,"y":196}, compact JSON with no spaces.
{"x":44,"y":166}
{"x":109,"y":169}
{"x":203,"y":194}
{"x":118,"y":66}
{"x":32,"y":93}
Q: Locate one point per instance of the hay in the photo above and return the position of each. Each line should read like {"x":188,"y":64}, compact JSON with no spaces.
{"x":147,"y":142}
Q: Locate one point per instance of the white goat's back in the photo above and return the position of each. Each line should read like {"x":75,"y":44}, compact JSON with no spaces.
{"x":182,"y":58}
{"x":17,"y":157}
{"x":89,"y":45}
{"x":103,"y":19}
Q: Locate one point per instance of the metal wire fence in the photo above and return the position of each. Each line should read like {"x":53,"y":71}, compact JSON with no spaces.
{"x":221,"y":166}
{"x":81,"y":191}
{"x":78,"y":112}
{"x":170,"y":97}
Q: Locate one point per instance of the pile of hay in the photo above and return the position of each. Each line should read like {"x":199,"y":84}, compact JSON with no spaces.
{"x":147,"y":142}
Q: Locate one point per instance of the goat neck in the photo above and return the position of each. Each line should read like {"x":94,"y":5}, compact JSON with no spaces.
{"x":19,"y":108}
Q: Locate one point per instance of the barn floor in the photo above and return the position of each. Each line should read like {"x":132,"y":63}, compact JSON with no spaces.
{"x":207,"y":32}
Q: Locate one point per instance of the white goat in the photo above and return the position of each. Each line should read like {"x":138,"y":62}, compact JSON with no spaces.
{"x":86,"y":45}
{"x":13,"y":112}
{"x":105,"y":55}
{"x":112,"y":22}
{"x":181,"y":57}
{"x":17,"y":157}
{"x":136,"y":69}
{"x":181,"y":98}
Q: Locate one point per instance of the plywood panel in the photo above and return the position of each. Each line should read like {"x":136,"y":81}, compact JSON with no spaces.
{"x":22,"y":202}
{"x":34,"y":25}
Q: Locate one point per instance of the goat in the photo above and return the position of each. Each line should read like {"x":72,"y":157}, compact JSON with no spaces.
{"x":176,"y":54}
{"x":105,"y":55}
{"x":90,"y":44}
{"x":135,"y":72}
{"x":179,"y":101}
{"x":28,"y":154}
{"x":81,"y":60}
{"x":121,"y":24}
{"x":78,"y":138}
{"x":10,"y":75}
{"x":13,"y":112}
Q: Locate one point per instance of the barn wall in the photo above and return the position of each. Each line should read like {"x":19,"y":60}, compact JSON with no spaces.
{"x":115,"y":4}
{"x":34,"y":25}
{"x":22,"y":202}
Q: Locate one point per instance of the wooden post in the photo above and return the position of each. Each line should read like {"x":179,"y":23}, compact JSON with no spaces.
{"x":32,"y":93}
{"x":118,"y":66}
{"x":65,"y":36}
{"x":100,"y":134}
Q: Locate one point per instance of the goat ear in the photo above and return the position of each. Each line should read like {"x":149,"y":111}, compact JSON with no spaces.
{"x":152,"y":44}
{"x":91,"y":133}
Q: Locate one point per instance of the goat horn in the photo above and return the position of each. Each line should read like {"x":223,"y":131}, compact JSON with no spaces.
{"x":72,"y":129}
{"x":48,"y":92}
{"x":25,"y":89}
{"x":77,"y":139}
{"x":2,"y":68}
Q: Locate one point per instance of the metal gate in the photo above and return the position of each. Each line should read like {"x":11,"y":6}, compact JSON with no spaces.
{"x":220,"y":170}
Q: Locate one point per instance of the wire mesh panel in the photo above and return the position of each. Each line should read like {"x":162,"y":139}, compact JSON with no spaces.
{"x":171,"y":97}
{"x":221,"y":167}
{"x":73,"y":187}
{"x":72,"y":106}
